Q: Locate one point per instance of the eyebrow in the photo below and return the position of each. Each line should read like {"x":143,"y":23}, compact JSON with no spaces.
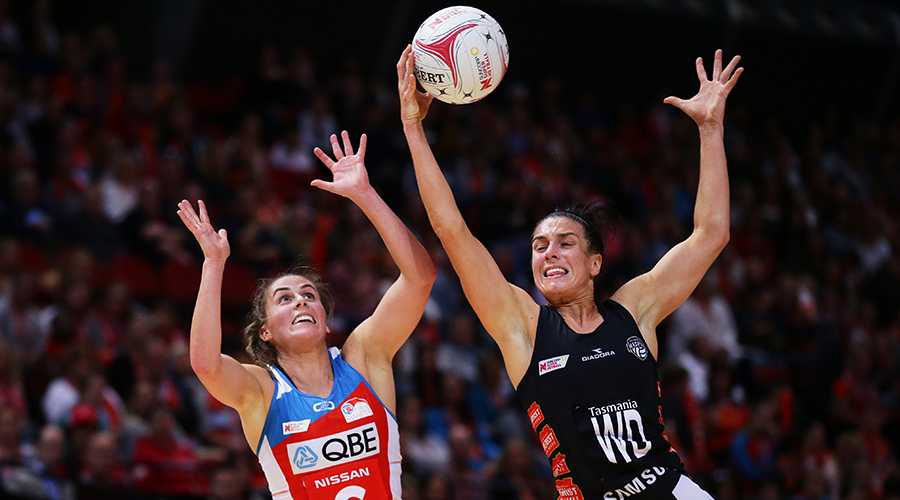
{"x":561,"y":235}
{"x":305,"y":285}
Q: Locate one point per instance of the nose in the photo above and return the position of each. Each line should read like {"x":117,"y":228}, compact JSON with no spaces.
{"x":552,"y":252}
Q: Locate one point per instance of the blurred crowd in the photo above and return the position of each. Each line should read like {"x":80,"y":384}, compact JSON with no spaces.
{"x":780,"y":374}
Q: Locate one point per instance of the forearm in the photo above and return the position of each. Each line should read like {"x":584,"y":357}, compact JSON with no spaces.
{"x":712,"y":209}
{"x":206,"y":325}
{"x":409,"y":255}
{"x":446,"y":220}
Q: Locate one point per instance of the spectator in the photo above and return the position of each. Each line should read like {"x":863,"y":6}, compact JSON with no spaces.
{"x":21,"y":325}
{"x":459,"y":354}
{"x":63,"y":392}
{"x":164,"y":462}
{"x":42,"y":476}
{"x":705,"y":314}
{"x":103,"y":477}
{"x":754,"y":449}
{"x":423,"y":451}
{"x":515,"y":477}
{"x":12,"y":392}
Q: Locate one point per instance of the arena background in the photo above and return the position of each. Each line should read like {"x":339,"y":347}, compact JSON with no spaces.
{"x":812,"y":409}
{"x":810,"y":55}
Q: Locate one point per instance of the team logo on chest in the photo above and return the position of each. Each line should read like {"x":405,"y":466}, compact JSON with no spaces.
{"x":637,"y":347}
{"x":323,"y":406}
{"x":356,"y":408}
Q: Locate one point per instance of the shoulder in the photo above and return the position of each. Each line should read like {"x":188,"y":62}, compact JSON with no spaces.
{"x":631,"y":296}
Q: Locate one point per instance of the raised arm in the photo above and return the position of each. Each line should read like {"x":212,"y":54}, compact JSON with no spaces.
{"x":654,"y":295}
{"x":507,"y":312}
{"x":380,"y":336}
{"x":230,"y":382}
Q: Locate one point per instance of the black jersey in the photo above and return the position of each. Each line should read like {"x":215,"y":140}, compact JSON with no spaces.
{"x":594,"y":402}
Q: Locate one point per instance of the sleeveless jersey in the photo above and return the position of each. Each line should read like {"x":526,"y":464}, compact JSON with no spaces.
{"x":342,"y":447}
{"x":594,"y":402}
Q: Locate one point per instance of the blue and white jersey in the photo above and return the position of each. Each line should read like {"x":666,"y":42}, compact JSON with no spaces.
{"x":345,"y":446}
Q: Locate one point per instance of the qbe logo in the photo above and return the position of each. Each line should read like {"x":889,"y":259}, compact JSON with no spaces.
{"x":334,"y":449}
{"x":304,"y":458}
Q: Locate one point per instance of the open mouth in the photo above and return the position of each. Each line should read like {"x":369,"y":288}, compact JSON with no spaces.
{"x":303,"y":318}
{"x":555,"y":272}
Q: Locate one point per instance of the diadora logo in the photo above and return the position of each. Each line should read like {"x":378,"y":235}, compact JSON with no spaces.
{"x":323,"y":406}
{"x":295,"y":427}
{"x":334,"y":449}
{"x":356,"y":408}
{"x":304,"y":457}
{"x":551,"y":364}
{"x":599,"y":353}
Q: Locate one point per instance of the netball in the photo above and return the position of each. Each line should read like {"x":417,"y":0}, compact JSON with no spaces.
{"x":461,"y":54}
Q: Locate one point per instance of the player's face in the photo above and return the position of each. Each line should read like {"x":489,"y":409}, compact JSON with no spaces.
{"x":294,"y":312}
{"x":563,"y":268}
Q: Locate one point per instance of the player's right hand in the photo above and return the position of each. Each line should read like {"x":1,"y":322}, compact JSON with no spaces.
{"x":413,"y":104}
{"x":214,"y":244}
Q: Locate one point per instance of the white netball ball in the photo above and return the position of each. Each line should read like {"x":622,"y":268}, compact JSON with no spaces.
{"x":460,"y":54}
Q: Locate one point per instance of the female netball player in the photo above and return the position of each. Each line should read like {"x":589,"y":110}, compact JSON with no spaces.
{"x":585,"y":371}
{"x":321,"y":420}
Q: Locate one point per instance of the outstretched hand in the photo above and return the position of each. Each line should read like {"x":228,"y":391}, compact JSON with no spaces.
{"x":214,"y":244}
{"x":708,"y":106}
{"x":350,"y":177}
{"x":413,"y":104}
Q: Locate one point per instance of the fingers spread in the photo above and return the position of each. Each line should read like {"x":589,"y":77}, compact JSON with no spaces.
{"x":336,"y":148}
{"x":717,"y":65}
{"x":726,"y":73}
{"x":319,"y":183}
{"x":362,"y":146}
{"x":701,"y":71}
{"x":204,"y":217}
{"x":348,"y":147}
{"x":733,"y":80}
{"x":324,"y":158}
{"x":674,"y":101}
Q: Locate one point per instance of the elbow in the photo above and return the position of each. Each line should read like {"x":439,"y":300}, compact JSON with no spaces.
{"x":720,"y":239}
{"x":449,"y":231}
{"x":726,"y":237}
{"x":721,"y":232}
{"x":715,"y":236}
{"x":424,"y":279}
{"x":429,"y":274}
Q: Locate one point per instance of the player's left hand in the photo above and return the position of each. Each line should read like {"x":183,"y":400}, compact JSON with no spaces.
{"x":350,"y":176}
{"x":413,"y":104}
{"x":708,"y":106}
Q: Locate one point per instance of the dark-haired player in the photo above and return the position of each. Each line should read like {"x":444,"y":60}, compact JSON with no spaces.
{"x":587,"y":371}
